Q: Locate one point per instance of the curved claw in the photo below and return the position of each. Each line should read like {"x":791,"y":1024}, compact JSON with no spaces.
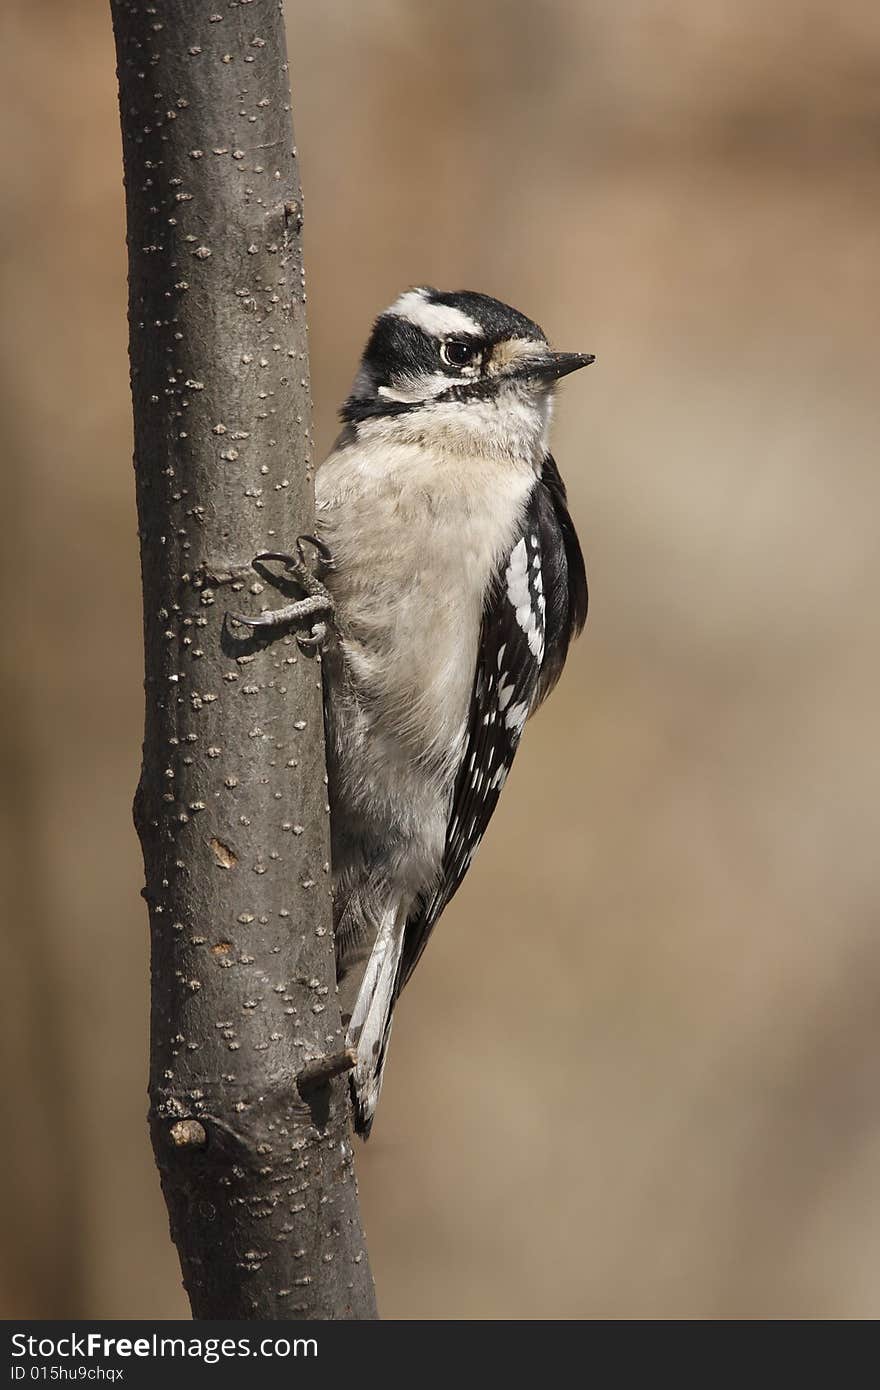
{"x":316,"y":604}
{"x":308,"y":609}
{"x":257,"y":620}
{"x":275,"y":555}
{"x":315,"y":642}
{"x":293,"y":561}
{"x":320,"y":546}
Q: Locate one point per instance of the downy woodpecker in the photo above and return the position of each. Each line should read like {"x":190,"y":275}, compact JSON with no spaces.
{"x":457,"y":583}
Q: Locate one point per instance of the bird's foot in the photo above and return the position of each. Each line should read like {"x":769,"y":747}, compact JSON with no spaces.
{"x":316,"y":610}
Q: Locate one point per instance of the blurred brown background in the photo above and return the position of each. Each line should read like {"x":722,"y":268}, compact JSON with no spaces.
{"x":637,"y":1072}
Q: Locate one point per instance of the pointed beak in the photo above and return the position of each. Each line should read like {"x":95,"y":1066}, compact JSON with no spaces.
{"x":553,"y":365}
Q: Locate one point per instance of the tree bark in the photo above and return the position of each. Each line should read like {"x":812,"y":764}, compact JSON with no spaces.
{"x":231,"y":807}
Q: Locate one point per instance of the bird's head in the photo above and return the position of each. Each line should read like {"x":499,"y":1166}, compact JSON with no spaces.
{"x":462,"y":364}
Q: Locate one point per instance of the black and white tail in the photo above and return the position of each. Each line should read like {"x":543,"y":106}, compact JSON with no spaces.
{"x":370,"y":1026}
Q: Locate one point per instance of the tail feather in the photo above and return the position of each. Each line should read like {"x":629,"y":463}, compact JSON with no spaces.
{"x":370,"y":1026}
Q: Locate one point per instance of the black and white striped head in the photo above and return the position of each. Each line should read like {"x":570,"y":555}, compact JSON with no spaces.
{"x":432,"y":350}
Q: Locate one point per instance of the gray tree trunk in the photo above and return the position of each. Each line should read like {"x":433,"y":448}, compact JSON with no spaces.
{"x":257,"y":1171}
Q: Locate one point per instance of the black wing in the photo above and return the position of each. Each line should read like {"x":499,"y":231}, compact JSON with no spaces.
{"x":536,"y":604}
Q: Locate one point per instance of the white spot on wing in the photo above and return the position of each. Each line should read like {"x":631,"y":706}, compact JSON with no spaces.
{"x":516,"y":717}
{"x":516,"y":577}
{"x":520,"y":598}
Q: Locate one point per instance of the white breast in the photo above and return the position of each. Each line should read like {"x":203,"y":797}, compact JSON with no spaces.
{"x":416,"y":536}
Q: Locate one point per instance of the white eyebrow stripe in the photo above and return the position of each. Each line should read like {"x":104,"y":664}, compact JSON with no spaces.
{"x":438,"y":320}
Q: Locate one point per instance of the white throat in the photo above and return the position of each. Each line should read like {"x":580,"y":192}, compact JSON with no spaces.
{"x":513,"y":426}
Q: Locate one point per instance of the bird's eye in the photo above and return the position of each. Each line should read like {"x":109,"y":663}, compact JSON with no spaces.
{"x":457,"y":353}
